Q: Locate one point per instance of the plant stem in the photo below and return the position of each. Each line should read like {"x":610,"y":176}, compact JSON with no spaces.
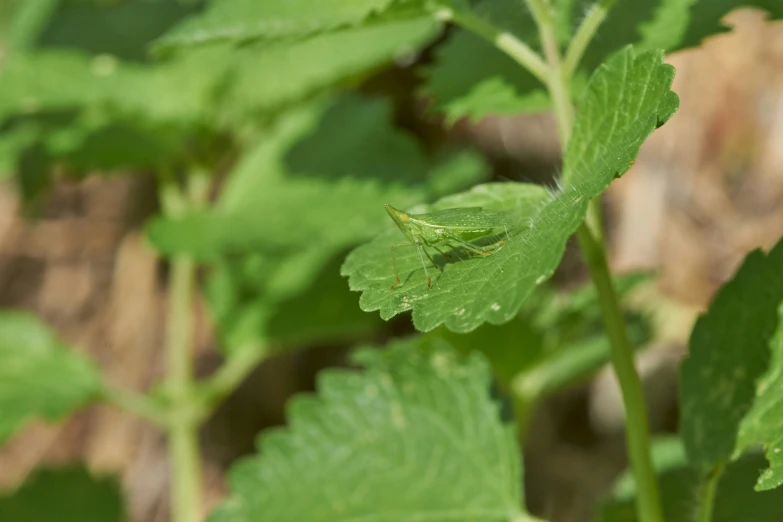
{"x":710,"y":487}
{"x":648,"y":504}
{"x":584,"y":35}
{"x":138,"y":404}
{"x":503,"y":40}
{"x":183,"y":423}
{"x":593,"y":248}
{"x":183,"y":429}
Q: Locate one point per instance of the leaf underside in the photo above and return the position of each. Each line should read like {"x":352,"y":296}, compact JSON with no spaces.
{"x":627,"y":99}
{"x":415,"y":436}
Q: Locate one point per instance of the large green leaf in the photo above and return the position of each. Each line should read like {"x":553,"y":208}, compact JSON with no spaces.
{"x":39,"y":376}
{"x":728,"y":351}
{"x":267,"y":76}
{"x":415,"y":436}
{"x":735,"y":499}
{"x":238,"y":20}
{"x":65,"y":495}
{"x":764,"y":421}
{"x":626,"y":100}
{"x":318,"y":180}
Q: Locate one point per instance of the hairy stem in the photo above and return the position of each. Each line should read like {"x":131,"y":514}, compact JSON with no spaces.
{"x":707,"y":497}
{"x":182,"y":426}
{"x":593,"y":248}
{"x":584,"y":35}
{"x":648,"y":504}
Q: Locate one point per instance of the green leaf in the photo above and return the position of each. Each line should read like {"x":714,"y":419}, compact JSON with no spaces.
{"x":39,"y":376}
{"x":728,"y":352}
{"x":65,"y":495}
{"x":763,"y":423}
{"x":175,"y":92}
{"x":268,"y":76}
{"x":627,"y":99}
{"x":238,"y":20}
{"x":319,"y":179}
{"x":735,"y":499}
{"x":415,"y":436}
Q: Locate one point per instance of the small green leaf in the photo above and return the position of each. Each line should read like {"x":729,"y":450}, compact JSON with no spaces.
{"x":65,"y":495}
{"x":415,"y":436}
{"x":764,"y":421}
{"x":627,"y":99}
{"x":728,"y":352}
{"x":679,"y":483}
{"x":39,"y":376}
{"x":238,"y":20}
{"x":297,"y":190}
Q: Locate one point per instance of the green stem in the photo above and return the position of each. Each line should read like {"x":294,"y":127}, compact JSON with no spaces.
{"x":710,"y":487}
{"x":584,"y":35}
{"x":183,"y":422}
{"x":558,"y":83}
{"x":503,"y":40}
{"x":648,"y":504}
{"x":593,"y":248}
{"x":138,"y":404}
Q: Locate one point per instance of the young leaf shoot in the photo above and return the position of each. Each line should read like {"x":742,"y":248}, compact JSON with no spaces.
{"x":450,"y":227}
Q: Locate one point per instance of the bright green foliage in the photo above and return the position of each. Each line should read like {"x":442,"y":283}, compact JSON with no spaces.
{"x":735,"y":499}
{"x":764,"y":422}
{"x":453,"y":171}
{"x":728,"y":352}
{"x":296,"y":190}
{"x":237,"y":20}
{"x":267,"y":76}
{"x":467,"y":293}
{"x":39,"y":376}
{"x":472,"y":78}
{"x":65,"y":495}
{"x":415,"y":436}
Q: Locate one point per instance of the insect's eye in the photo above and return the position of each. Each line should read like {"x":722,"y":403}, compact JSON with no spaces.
{"x":404,"y":218}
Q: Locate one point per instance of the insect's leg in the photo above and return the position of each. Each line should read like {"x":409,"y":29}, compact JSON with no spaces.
{"x":429,"y":281}
{"x":394,"y":262}
{"x":441,"y":252}
{"x":470,"y":247}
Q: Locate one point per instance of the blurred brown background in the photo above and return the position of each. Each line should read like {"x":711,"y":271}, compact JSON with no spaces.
{"x":706,"y":189}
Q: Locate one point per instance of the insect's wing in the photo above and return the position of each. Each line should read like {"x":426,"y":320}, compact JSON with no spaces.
{"x":469,"y":218}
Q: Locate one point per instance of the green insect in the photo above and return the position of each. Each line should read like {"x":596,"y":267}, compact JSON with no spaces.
{"x":456,"y":226}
